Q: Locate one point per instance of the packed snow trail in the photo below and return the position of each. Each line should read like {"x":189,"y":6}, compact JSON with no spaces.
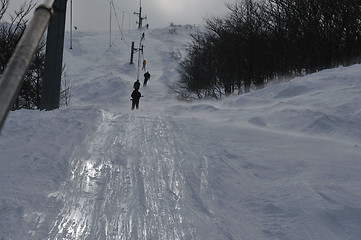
{"x":126,"y":183}
{"x":150,"y":176}
{"x":203,"y":171}
{"x":127,"y":178}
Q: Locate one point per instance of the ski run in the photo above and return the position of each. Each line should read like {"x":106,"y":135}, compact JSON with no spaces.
{"x":281,"y":163}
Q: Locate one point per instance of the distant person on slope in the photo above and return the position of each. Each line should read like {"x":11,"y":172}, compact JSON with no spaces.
{"x":136,"y":84}
{"x":144,"y":64}
{"x":135,"y":98}
{"x":146,"y":78}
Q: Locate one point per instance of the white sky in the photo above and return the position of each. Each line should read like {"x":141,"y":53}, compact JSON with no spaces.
{"x":94,"y":14}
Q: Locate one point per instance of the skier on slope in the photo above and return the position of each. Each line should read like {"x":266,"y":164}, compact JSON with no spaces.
{"x":146,"y":78}
{"x":135,"y":98}
{"x":136,"y":84}
{"x":144,"y":64}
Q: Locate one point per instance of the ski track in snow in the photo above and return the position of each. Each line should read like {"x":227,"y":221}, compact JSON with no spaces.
{"x":125,"y":183}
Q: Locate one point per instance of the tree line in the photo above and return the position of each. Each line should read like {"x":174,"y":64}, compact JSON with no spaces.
{"x":10,"y":33}
{"x":260,"y":41}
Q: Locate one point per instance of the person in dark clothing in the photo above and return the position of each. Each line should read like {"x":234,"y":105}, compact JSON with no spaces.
{"x":135,"y":98}
{"x":136,"y":84}
{"x":146,"y":78}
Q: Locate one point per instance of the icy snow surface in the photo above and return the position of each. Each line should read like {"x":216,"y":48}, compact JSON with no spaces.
{"x":280,"y":163}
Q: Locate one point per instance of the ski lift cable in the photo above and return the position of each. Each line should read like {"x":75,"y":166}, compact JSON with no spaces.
{"x":120,"y":29}
{"x":130,"y":14}
{"x":140,"y":51}
{"x":115,"y":5}
{"x":141,"y":46}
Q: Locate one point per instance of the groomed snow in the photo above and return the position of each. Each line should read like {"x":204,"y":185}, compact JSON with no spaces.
{"x":279,"y":163}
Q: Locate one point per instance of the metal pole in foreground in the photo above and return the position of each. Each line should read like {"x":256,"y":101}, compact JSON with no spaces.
{"x":13,"y":76}
{"x":50,"y":93}
{"x":71,"y":24}
{"x":110,"y":24}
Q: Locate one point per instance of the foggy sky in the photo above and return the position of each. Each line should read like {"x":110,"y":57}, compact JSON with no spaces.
{"x":95,"y":14}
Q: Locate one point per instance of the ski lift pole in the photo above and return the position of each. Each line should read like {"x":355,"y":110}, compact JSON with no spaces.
{"x":138,"y":63}
{"x":50,"y":93}
{"x":140,"y":49}
{"x":110,"y":24}
{"x":71,"y":24}
{"x":13,"y":76}
{"x":132,"y":53}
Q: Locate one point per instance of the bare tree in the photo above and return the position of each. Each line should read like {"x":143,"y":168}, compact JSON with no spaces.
{"x":264,"y":40}
{"x":10,"y":34}
{"x":4,"y":4}
{"x":65,"y":93}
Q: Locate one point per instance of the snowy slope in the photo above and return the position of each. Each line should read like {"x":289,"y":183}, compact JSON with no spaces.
{"x":279,"y":163}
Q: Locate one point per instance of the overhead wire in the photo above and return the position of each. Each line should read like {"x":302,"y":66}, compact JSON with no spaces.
{"x":141,"y":46}
{"x":140,"y":50}
{"x":120,"y":28}
{"x":130,"y":14}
